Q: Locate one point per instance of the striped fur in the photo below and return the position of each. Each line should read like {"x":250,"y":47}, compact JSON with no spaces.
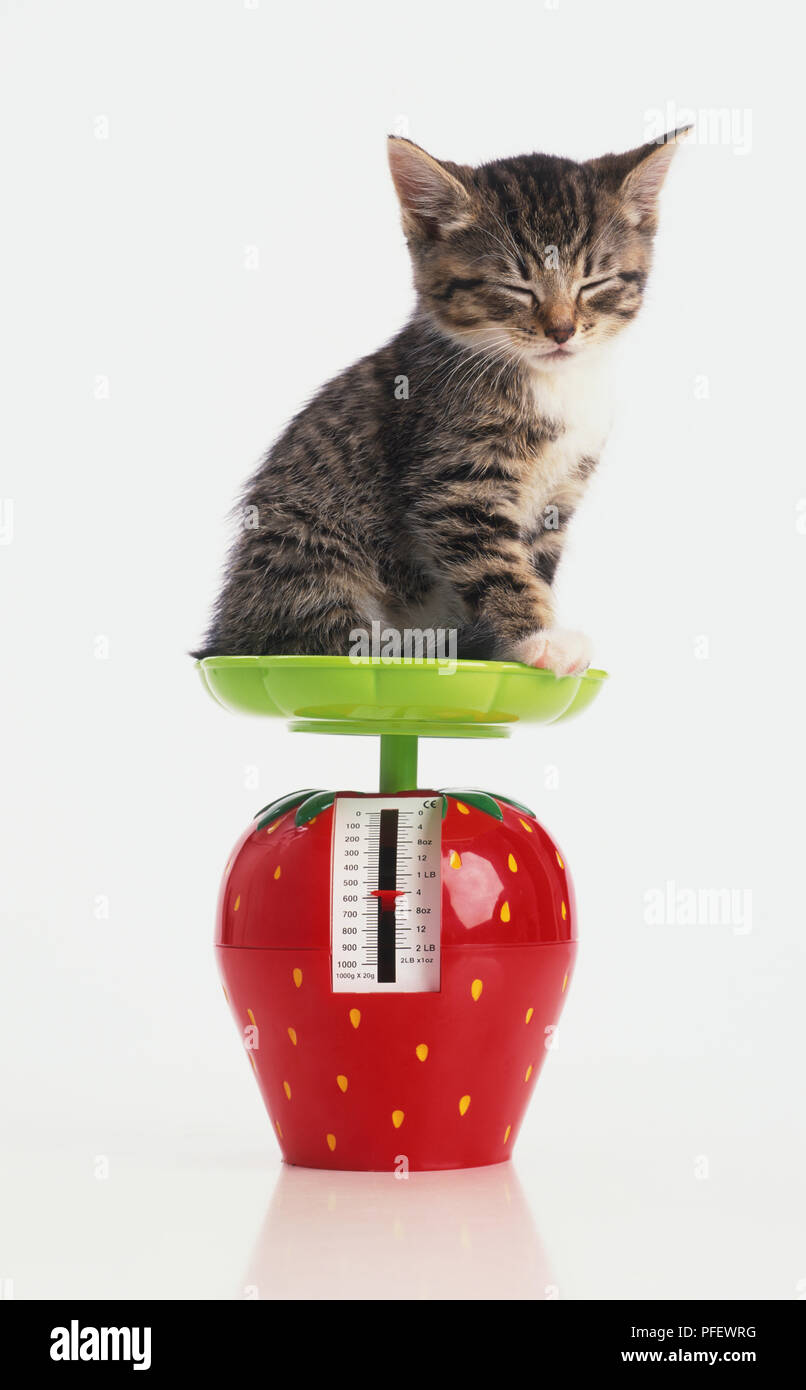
{"x":433,"y":482}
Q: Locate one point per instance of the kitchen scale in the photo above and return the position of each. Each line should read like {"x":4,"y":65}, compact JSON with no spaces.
{"x":396,"y":961}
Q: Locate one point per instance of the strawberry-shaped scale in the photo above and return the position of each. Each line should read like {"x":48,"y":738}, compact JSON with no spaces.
{"x":439,"y":1075}
{"x":396,"y":962}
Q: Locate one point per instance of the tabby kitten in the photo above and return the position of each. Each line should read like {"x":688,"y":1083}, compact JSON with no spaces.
{"x":432,"y":483}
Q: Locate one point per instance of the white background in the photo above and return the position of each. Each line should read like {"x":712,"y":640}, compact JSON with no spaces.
{"x":147,"y":147}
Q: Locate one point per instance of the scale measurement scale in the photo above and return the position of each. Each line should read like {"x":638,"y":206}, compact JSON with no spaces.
{"x":387,"y":894}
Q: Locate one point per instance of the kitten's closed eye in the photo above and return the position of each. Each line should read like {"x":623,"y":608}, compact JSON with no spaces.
{"x":524,"y":293}
{"x":606,"y":280}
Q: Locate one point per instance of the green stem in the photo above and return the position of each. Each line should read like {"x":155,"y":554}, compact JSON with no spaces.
{"x":398,"y":763}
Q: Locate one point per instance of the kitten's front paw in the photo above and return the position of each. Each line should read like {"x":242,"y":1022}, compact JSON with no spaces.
{"x":565,"y":653}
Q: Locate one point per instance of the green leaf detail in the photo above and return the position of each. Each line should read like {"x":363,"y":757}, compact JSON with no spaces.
{"x":277,"y":808}
{"x":518,"y":806}
{"x":481,"y":801}
{"x":314,"y":804}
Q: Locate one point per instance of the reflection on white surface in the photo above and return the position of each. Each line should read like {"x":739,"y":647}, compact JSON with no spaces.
{"x":463,"y":1234}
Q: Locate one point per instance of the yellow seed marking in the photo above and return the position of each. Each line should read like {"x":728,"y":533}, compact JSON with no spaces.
{"x":460,"y":806}
{"x":507,"y":1133}
{"x":463,"y":1105}
{"x":455,"y":860}
{"x":528,"y":1072}
{"x":313,"y":820}
{"x":525,"y":824}
{"x":476,"y":988}
{"x":529,"y":1013}
{"x":513,"y":863}
{"x":559,"y":859}
{"x":251,"y":1016}
{"x":422,"y":1051}
{"x":226,"y":996}
{"x":397,"y":1118}
{"x":287,"y":1090}
{"x":297,"y":976}
{"x":270,"y":829}
{"x":237,"y":903}
{"x":331,"y":1141}
{"x":279,"y":1128}
{"x":564,"y":911}
{"x":252,"y":1061}
{"x":505,"y":913}
{"x":293,"y":1035}
{"x":278,"y":871}
{"x":565,"y":982}
{"x":355,"y":1017}
{"x":342,"y":1083}
{"x":229,"y":866}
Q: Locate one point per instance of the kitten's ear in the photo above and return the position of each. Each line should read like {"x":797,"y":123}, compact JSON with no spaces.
{"x":431,"y":199}
{"x":639,"y":174}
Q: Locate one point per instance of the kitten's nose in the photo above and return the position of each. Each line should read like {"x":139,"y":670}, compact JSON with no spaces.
{"x":561,"y":330}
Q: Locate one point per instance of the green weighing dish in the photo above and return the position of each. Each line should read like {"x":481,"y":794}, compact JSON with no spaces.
{"x":370,"y":695}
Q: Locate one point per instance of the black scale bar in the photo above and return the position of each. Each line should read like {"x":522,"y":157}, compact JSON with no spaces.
{"x":387,"y":879}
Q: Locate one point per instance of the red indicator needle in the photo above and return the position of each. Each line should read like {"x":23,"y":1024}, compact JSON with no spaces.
{"x":387,"y":897}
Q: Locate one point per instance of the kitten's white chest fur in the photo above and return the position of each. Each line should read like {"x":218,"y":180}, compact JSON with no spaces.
{"x":577,"y":395}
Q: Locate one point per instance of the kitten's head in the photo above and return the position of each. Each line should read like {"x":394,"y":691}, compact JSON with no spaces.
{"x":536,"y":258}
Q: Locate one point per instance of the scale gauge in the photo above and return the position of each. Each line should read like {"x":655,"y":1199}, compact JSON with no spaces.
{"x":386,"y":903}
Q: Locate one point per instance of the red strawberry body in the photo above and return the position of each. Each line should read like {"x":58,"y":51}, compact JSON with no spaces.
{"x":423,"y":1080}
